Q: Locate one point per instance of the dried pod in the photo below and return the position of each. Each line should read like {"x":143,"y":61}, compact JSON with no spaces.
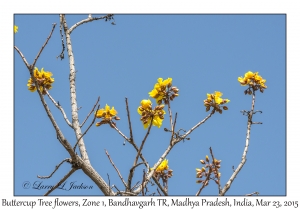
{"x":207,"y":108}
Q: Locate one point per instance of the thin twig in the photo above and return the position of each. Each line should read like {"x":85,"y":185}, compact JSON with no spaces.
{"x":128,"y":116}
{"x":170,"y":115}
{"x":41,"y":50}
{"x":62,"y":42}
{"x":143,"y":142}
{"x":134,"y":186}
{"x":59,"y":107}
{"x":86,"y":129}
{"x":173,"y":129}
{"x":87,"y":117}
{"x":89,"y":19}
{"x":243,"y":161}
{"x":56,"y":167}
{"x":115,"y":168}
{"x":22,"y":56}
{"x":197,"y":125}
{"x":203,"y":185}
{"x":120,"y":132}
{"x":61,"y":181}
{"x":213,"y":160}
{"x":138,"y":154}
{"x":159,"y":185}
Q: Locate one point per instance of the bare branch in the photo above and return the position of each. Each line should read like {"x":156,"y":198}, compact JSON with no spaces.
{"x":170,"y":115}
{"x":86,"y":129}
{"x":89,"y":19}
{"x":159,"y":185}
{"x":120,"y":132}
{"x":215,"y":166}
{"x":130,"y":176}
{"x":129,"y":122}
{"x":60,"y":108}
{"x":243,"y":161}
{"x":115,"y":168}
{"x":74,"y":107}
{"x":61,"y":181}
{"x":143,"y":142}
{"x":41,"y":50}
{"x":173,"y":128}
{"x":22,"y":56}
{"x":91,"y":111}
{"x":62,"y":42}
{"x":203,"y":185}
{"x":197,"y":125}
{"x":56,"y":167}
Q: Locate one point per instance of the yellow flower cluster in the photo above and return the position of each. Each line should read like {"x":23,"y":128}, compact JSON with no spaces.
{"x":163,"y":166}
{"x":215,"y":100}
{"x":163,"y":171}
{"x":148,"y":113}
{"x":253,"y":80}
{"x":15,"y":29}
{"x":162,"y":90}
{"x":43,"y":79}
{"x":106,"y":115}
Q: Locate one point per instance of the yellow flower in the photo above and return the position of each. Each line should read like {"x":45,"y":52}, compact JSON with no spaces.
{"x":252,"y":79}
{"x":106,"y":113}
{"x":159,"y":90}
{"x":15,"y":29}
{"x":215,"y":100}
{"x":43,"y":79}
{"x":145,"y":110}
{"x":163,"y":166}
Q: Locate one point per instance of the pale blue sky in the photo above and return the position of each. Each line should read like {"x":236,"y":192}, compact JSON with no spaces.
{"x":202,"y":53}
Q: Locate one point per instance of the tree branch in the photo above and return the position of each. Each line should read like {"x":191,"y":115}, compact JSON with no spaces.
{"x":129,"y":122}
{"x":22,"y":56}
{"x":115,"y":168}
{"x":74,"y":107}
{"x":41,"y":50}
{"x":56,"y":167}
{"x":61,"y":181}
{"x":91,"y":111}
{"x":86,"y":129}
{"x":243,"y":161}
{"x":89,"y":19}
{"x":60,"y":108}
